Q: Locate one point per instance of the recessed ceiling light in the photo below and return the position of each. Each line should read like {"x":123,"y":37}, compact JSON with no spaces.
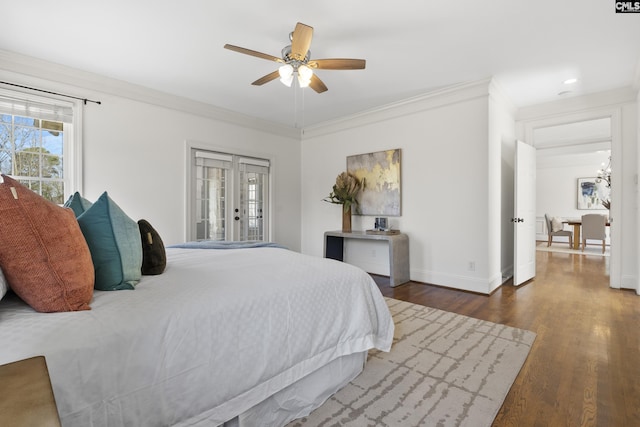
{"x":570,"y":81}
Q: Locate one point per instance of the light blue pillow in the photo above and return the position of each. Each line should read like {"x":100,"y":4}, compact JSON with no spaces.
{"x":115,"y":245}
{"x":77,"y":203}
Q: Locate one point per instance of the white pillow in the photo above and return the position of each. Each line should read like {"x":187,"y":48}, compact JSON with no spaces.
{"x":556,"y":224}
{"x":4,"y":287}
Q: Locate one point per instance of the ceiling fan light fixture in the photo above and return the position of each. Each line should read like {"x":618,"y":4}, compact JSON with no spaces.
{"x":286,"y":74}
{"x":304,"y":75}
{"x":287,"y":80}
{"x":305,"y":72}
{"x":285,"y":71}
{"x":302,"y":82}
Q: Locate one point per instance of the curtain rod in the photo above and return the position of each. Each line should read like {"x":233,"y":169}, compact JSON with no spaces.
{"x":85,"y":100}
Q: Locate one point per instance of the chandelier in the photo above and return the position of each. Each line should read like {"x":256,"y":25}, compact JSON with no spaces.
{"x":604,"y":174}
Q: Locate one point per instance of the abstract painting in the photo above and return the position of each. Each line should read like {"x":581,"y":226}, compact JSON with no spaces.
{"x":381,"y":173}
{"x":591,"y":193}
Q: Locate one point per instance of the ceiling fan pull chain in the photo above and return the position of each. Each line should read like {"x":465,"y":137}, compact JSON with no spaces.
{"x":303,"y":114}
{"x":295,"y":106}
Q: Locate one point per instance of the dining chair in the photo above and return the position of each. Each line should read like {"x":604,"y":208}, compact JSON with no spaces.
{"x":594,"y":228}
{"x":561,"y":232}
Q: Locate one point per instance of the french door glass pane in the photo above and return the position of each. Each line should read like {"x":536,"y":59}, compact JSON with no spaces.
{"x":211,"y":194}
{"x":252,"y":193}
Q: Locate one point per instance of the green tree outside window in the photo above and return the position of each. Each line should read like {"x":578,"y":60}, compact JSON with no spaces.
{"x":31,"y":151}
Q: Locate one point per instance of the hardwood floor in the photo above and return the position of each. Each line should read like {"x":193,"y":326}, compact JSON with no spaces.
{"x":584,"y":367}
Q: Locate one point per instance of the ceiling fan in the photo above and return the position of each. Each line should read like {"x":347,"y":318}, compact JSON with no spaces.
{"x":296,"y":60}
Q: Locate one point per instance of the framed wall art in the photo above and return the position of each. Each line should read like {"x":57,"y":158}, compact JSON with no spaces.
{"x":591,"y":193}
{"x":381,"y":173}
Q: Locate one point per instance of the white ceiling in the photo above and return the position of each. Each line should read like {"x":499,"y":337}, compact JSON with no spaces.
{"x":411,"y":47}
{"x":584,"y":143}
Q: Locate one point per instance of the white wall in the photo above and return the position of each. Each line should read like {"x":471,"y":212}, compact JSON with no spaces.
{"x":556,"y":183}
{"x":625,"y":215}
{"x":456,"y":153}
{"x":556,"y":186}
{"x":134,"y":147}
{"x":144,"y":166}
{"x":502,"y":135}
{"x":444,"y":138}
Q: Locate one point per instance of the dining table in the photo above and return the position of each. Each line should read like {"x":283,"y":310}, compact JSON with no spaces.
{"x":577,"y":224}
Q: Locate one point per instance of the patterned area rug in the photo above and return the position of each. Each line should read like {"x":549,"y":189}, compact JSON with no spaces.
{"x":444,"y":369}
{"x":565,"y":249}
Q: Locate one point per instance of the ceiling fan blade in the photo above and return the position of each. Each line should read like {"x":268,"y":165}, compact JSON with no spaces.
{"x":266,"y":79}
{"x":338,"y":64}
{"x":301,"y":41}
{"x":253,"y":53}
{"x":317,"y":84}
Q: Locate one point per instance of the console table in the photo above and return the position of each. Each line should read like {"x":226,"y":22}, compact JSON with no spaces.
{"x":398,"y":251}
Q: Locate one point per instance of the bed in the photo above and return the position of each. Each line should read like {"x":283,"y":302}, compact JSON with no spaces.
{"x":247,"y":337}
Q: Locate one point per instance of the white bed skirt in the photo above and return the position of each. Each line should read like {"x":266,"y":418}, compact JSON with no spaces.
{"x":301,"y":398}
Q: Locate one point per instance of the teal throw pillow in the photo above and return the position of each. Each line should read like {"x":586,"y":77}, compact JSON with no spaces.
{"x":115,"y":245}
{"x":78,"y":204}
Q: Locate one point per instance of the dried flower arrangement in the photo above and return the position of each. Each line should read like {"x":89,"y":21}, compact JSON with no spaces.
{"x":345,"y":190}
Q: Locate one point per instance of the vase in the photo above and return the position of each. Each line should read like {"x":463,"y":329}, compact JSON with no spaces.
{"x":346,"y":220}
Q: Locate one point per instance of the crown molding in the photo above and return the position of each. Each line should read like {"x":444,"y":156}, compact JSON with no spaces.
{"x":437,"y":98}
{"x":23,"y":65}
{"x":599,"y":100}
{"x":497,"y":92}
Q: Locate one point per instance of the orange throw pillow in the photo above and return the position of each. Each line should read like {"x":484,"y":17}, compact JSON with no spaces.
{"x":43,"y":254}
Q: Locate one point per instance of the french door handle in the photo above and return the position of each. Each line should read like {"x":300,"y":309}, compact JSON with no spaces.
{"x":517,"y":219}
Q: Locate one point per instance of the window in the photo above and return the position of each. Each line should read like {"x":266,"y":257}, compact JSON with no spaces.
{"x":229,"y":197}
{"x":38,"y":144}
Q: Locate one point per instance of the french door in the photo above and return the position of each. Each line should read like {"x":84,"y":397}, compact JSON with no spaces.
{"x":229,"y":197}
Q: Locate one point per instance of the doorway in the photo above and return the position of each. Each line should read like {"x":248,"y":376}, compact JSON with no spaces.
{"x":570,"y":150}
{"x":229,"y":197}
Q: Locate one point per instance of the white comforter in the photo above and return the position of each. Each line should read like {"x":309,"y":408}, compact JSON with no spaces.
{"x":216,"y":333}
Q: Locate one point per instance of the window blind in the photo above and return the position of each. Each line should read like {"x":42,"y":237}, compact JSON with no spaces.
{"x":54,"y":110}
{"x":248,"y":164}
{"x":213,"y":160}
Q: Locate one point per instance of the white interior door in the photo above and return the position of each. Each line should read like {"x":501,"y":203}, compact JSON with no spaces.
{"x":524,"y":218}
